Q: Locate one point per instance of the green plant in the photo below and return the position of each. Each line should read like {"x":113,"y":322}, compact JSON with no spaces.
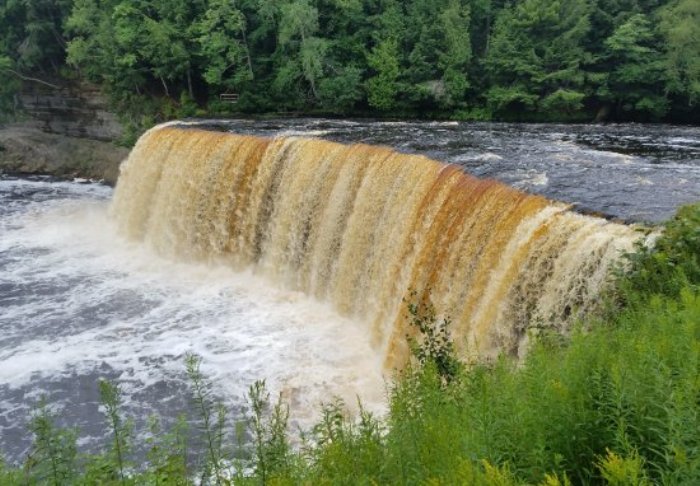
{"x":52,"y":459}
{"x":213,"y":417}
{"x":268,"y":426}
{"x":433,"y":344}
{"x":670,"y":264}
{"x":167,"y":453}
{"x":623,"y":471}
{"x":121,"y":430}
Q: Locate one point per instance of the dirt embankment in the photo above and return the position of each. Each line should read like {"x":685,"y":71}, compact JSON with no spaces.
{"x":28,"y":150}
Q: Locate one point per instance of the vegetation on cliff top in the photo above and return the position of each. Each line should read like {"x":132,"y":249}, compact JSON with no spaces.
{"x":616,"y":402}
{"x":470,"y":59}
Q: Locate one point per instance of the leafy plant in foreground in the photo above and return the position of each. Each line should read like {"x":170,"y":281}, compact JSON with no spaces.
{"x":434,"y":343}
{"x":269,"y":428}
{"x":52,"y":459}
{"x":213,"y":416}
{"x":167,"y":454}
{"x":121,"y":430}
{"x":670,"y":264}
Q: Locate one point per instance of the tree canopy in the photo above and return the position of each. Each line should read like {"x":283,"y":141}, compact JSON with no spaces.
{"x":470,"y":59}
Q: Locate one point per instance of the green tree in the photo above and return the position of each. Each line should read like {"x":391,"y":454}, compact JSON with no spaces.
{"x":35,"y":33}
{"x":525,"y":59}
{"x":143,"y":52}
{"x":383,"y":59}
{"x":170,"y":43}
{"x":382,"y":88}
{"x":636,"y":83}
{"x":680,"y":28}
{"x":31,"y":46}
{"x":536,"y":57}
{"x":456,"y":53}
{"x":8,"y":87}
{"x":221,"y":34}
{"x":300,"y":51}
{"x":346,"y":27}
{"x":435,"y":36}
{"x":341,"y":91}
{"x":103,"y":42}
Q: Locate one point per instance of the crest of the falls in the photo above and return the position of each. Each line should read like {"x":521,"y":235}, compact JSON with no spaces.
{"x":363,"y":227}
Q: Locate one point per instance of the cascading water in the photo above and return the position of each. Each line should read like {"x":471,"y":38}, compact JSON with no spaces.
{"x":362,"y":227}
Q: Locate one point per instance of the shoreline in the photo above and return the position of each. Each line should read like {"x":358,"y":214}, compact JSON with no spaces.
{"x":25,"y":150}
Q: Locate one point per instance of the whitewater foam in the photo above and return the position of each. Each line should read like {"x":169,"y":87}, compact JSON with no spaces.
{"x":116,"y":306}
{"x":362,"y":227}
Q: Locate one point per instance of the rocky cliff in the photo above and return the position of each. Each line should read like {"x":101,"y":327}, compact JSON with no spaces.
{"x":71,"y":109}
{"x":66,"y":130}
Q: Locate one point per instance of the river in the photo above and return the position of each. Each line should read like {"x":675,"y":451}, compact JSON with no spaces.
{"x":633,"y":172}
{"x":79,"y":302}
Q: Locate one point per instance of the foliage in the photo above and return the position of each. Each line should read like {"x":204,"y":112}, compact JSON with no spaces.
{"x":221,"y":42}
{"x":167,"y":454}
{"x":531,"y":59}
{"x":382,"y":88}
{"x":635,"y":83}
{"x":53,"y":456}
{"x":619,"y":471}
{"x":680,"y":27}
{"x":433,"y":346}
{"x":212,"y":428}
{"x":671,"y":264}
{"x":8,"y":88}
{"x":110,"y":396}
{"x":537,"y":54}
{"x":269,"y":429}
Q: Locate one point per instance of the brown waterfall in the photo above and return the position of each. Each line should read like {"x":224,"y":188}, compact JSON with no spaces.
{"x":361,"y":227}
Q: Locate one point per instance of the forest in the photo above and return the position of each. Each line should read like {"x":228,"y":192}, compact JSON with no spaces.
{"x":517,"y":60}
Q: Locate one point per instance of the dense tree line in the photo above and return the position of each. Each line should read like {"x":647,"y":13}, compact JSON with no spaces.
{"x":471,"y":59}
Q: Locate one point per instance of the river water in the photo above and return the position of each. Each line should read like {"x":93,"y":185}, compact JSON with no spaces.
{"x":633,"y":172}
{"x":78,"y":302}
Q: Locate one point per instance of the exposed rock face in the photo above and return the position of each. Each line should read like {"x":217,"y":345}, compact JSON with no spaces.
{"x":67,"y":132}
{"x":24,"y":149}
{"x":75,"y":110}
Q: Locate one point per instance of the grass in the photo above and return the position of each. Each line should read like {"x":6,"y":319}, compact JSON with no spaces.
{"x":617,"y":402}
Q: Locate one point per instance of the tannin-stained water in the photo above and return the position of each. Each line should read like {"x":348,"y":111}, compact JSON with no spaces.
{"x":364,"y":228}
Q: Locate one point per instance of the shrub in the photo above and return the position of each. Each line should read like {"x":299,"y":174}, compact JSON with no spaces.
{"x":433,"y":345}
{"x":671,"y":264}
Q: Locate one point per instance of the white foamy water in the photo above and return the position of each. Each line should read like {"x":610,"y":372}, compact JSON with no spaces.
{"x":78,"y":302}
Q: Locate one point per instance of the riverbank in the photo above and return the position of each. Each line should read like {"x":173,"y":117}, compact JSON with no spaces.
{"x":28,"y":150}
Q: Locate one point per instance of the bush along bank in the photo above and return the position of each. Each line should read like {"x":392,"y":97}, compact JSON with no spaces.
{"x":615,"y":402}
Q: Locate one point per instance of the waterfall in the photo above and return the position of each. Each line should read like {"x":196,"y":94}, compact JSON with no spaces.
{"x":364,"y":227}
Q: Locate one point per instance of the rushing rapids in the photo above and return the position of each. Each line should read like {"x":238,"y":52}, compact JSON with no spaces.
{"x":363,"y":227}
